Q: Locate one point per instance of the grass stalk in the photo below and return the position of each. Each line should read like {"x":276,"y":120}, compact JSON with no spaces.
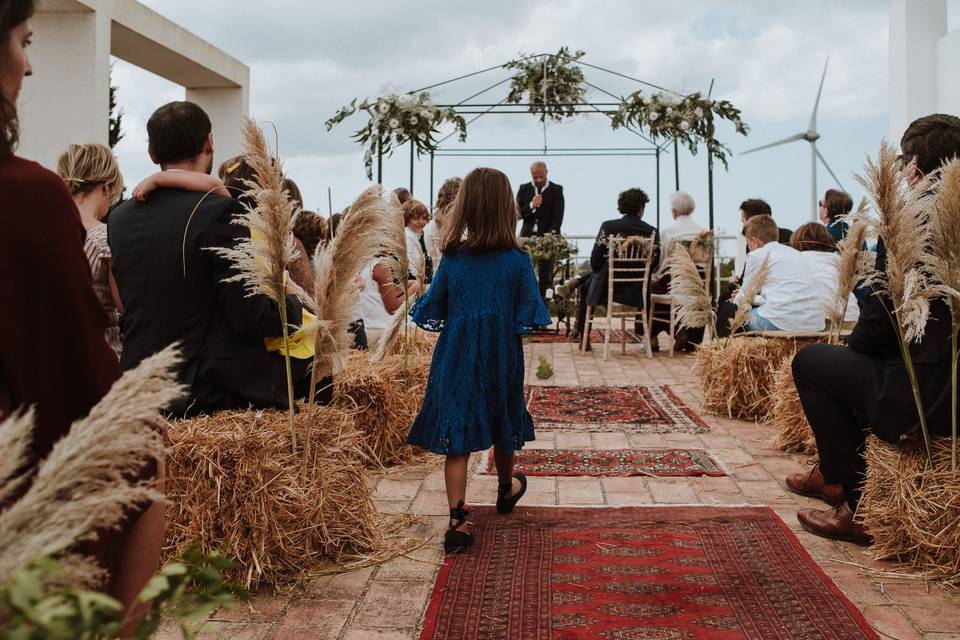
{"x":286,"y":360}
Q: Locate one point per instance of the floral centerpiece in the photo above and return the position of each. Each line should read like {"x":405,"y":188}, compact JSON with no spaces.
{"x":688,"y":119}
{"x":550,"y":247}
{"x":552,"y":85}
{"x":395,"y":120}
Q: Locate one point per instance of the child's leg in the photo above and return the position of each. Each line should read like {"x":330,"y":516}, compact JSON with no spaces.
{"x":455,"y":477}
{"x":504,"y":462}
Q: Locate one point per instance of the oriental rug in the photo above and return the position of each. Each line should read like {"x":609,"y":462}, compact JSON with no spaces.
{"x":636,"y":409}
{"x":612,"y":462}
{"x":657,"y":573}
{"x":596,"y":337}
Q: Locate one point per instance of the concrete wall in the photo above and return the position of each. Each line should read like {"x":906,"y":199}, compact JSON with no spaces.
{"x":67,"y":98}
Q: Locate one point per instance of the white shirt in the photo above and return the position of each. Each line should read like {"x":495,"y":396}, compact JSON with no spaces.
{"x":414,"y":251}
{"x":431,"y":238}
{"x":371,"y":307}
{"x":789,"y":297}
{"x":823,"y":267}
{"x":683,"y":228}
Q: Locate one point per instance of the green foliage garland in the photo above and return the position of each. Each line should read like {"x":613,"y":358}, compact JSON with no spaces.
{"x":552,"y":86}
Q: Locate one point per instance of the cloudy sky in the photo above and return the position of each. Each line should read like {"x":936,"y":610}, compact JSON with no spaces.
{"x":309,"y":58}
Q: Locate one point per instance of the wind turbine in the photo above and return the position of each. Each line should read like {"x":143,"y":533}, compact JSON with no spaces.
{"x":811,"y":135}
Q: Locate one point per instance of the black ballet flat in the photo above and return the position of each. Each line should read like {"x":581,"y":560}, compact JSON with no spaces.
{"x":506,"y":504}
{"x":456,"y":541}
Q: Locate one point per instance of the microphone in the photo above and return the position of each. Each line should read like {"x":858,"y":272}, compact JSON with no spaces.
{"x":538,"y":191}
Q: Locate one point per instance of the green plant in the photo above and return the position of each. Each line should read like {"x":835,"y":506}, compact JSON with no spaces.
{"x":550,"y":247}
{"x":395,"y":120}
{"x":552,"y":85}
{"x":36,"y":604}
{"x":544,"y":370}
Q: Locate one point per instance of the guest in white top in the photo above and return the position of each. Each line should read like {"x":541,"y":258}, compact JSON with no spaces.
{"x":683,"y":227}
{"x":816,"y":245}
{"x":415,"y":218}
{"x":380,"y":298}
{"x":788,"y":299}
{"x":433,"y":232}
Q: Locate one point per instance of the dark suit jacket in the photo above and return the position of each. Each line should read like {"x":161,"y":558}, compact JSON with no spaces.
{"x":548,"y":218}
{"x":629,"y":293}
{"x":173,"y":290}
{"x":888,"y":397}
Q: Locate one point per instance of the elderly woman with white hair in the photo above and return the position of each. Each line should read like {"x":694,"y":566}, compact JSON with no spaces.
{"x":683,"y":227}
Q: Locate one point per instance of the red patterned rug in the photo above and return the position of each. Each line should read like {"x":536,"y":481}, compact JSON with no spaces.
{"x":658,"y":573}
{"x":596,"y":337}
{"x":638,"y":409}
{"x":613,"y":462}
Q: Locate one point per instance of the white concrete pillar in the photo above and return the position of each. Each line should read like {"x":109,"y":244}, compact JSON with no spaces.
{"x":67,"y":99}
{"x":948,"y":74}
{"x":226,"y":108}
{"x":916,"y":26}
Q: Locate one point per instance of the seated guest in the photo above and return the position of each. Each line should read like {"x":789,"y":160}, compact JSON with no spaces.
{"x":174,"y":288}
{"x":415,"y":218}
{"x":817,"y":248}
{"x":593,"y":289}
{"x":403,"y":195}
{"x":311,"y":230}
{"x":748,"y":209}
{"x":94,"y":181}
{"x":684,"y":227}
{"x":433,"y":232}
{"x":848,"y":392}
{"x":833,"y":207}
{"x":380,"y":297}
{"x":787,"y":300}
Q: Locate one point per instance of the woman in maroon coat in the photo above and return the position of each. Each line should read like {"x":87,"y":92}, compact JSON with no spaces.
{"x":53,"y":355}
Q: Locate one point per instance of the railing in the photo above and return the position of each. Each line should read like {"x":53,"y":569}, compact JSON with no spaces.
{"x":726,"y":251}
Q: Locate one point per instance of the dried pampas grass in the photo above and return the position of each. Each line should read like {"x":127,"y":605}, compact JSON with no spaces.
{"x":236,"y":486}
{"x":384,"y":398}
{"x":911,"y":507}
{"x":15,"y":436}
{"x":856,"y":265}
{"x":794,"y":434}
{"x":689,"y":291}
{"x":362,"y":235}
{"x":84,"y":485}
{"x":750,"y":292}
{"x":737,"y":374}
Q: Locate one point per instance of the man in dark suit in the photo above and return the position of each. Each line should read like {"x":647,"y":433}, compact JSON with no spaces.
{"x":848,"y":392}
{"x":541,"y":212}
{"x":173,"y":286}
{"x":593,"y":291}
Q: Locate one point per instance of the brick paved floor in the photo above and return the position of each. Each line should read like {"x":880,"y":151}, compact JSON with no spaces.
{"x":388,"y":602}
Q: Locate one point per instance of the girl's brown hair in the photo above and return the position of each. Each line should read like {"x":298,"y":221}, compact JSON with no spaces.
{"x":813,"y":237}
{"x":12,"y":13}
{"x":413,"y":209}
{"x":838,"y":203}
{"x":85,"y":167}
{"x":483,"y":216}
{"x":445,"y":197}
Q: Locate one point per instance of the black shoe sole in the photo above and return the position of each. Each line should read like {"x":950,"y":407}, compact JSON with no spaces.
{"x":506,"y":505}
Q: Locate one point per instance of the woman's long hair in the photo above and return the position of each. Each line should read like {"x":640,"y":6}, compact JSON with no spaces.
{"x":445,"y":197}
{"x":12,"y":13}
{"x":484,"y":215}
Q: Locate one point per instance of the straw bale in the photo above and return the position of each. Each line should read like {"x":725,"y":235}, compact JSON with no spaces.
{"x":235,"y":484}
{"x":794,"y":434}
{"x":737,"y":374}
{"x":911,"y":507}
{"x":384,"y":398}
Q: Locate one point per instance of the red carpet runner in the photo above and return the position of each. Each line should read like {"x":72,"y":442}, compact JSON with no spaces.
{"x":613,"y":462}
{"x":638,"y":409}
{"x":660,"y":573}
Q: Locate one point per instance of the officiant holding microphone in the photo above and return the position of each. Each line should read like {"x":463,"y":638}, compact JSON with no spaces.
{"x":541,"y":212}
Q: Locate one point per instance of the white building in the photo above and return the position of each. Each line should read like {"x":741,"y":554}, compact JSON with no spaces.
{"x":67,"y":99}
{"x":924,"y":62}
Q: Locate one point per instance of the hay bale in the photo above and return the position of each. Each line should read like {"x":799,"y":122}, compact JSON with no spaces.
{"x":737,"y":374}
{"x":912,"y":507}
{"x":234,"y":483}
{"x":794,"y":434}
{"x":384,"y":398}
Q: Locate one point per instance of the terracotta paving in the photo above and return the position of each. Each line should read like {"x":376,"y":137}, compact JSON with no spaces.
{"x":388,"y":602}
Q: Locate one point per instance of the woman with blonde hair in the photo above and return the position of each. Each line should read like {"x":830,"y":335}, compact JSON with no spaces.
{"x":434,"y":229}
{"x":94,"y":181}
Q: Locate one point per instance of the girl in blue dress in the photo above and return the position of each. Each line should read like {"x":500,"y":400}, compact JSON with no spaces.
{"x":483,"y":298}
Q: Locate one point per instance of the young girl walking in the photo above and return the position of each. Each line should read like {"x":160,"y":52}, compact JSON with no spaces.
{"x":483,"y":298}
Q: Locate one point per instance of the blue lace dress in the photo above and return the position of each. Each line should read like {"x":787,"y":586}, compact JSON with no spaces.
{"x":481,"y":304}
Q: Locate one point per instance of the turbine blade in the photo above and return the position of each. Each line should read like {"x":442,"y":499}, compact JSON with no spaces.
{"x":829,"y":170}
{"x":816,"y":105}
{"x":799,"y":136}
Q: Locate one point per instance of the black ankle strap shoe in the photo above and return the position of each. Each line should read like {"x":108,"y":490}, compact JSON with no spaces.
{"x":506,"y":504}
{"x":455,"y":541}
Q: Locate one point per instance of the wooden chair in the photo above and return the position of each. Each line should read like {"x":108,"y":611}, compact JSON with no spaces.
{"x":628,"y":260}
{"x":701,"y":249}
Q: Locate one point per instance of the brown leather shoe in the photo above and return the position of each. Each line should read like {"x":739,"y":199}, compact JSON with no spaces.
{"x":812,"y":484}
{"x":836,"y":524}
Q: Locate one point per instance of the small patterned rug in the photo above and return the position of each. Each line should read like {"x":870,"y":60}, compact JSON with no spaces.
{"x":637,"y":409}
{"x":654,"y":573}
{"x":613,"y":462}
{"x":596,"y":337}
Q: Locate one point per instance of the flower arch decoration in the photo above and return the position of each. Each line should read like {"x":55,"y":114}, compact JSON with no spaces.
{"x":553,"y":85}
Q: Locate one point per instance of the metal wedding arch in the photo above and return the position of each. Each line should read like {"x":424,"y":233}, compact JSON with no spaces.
{"x":467,"y":107}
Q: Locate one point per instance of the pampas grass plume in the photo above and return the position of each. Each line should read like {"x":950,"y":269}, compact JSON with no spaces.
{"x":690,"y":293}
{"x":756,"y":284}
{"x":854,"y":265}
